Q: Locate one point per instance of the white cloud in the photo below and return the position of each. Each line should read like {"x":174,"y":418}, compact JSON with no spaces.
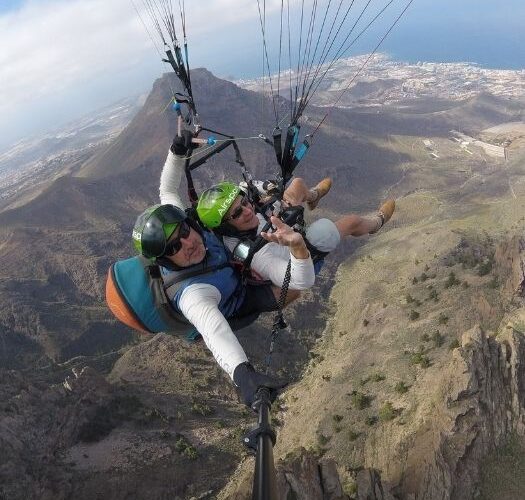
{"x":50,"y":47}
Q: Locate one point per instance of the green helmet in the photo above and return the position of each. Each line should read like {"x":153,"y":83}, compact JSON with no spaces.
{"x":154,"y":227}
{"x":215,"y":202}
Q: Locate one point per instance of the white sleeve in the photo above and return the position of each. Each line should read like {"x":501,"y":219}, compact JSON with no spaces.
{"x":199,"y":304}
{"x":271,"y":262}
{"x":170,"y":180}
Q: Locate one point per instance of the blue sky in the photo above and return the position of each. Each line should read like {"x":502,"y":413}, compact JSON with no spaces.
{"x":7,"y":5}
{"x":63,"y":58}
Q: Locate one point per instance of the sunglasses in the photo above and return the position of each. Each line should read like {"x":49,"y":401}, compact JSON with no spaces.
{"x":238,"y":211}
{"x":175,"y":245}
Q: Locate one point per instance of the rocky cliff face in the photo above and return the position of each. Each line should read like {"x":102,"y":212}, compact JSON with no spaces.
{"x":302,"y":475}
{"x":482,"y":403}
{"x":471,"y":406}
{"x":481,"y":400}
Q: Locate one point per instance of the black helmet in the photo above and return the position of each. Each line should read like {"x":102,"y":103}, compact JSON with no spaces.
{"x":154,"y":228}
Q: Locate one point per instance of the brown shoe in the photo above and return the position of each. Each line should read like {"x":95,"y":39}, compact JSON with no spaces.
{"x":321,"y":189}
{"x":386,"y":210}
{"x":384,"y":214}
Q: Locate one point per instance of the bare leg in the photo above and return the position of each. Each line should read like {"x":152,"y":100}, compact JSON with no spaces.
{"x":297,"y":192}
{"x":354,"y":225}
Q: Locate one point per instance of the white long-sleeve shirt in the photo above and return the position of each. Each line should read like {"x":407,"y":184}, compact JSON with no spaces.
{"x":200,"y":305}
{"x":270,"y":262}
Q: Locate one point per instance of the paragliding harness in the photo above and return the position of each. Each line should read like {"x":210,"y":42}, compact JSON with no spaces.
{"x":288,"y":158}
{"x":140,"y":297}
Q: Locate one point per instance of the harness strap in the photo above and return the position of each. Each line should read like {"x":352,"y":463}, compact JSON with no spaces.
{"x":172,"y":286}
{"x":172,"y":318}
{"x":163,"y":291}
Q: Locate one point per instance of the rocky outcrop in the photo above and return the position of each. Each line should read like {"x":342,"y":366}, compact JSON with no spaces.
{"x":301,"y":475}
{"x":482,"y":403}
{"x":510,"y":261}
{"x":369,"y":486}
{"x":307,"y":476}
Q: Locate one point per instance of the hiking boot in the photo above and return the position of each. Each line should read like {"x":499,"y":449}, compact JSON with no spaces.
{"x":321,"y":189}
{"x":386,"y":210}
{"x":383,"y":214}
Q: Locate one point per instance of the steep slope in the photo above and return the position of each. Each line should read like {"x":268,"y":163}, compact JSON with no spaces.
{"x":386,"y":388}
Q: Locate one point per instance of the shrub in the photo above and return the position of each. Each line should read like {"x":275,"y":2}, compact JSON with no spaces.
{"x":413,"y":315}
{"x":365,"y":322}
{"x":190,"y":452}
{"x":353,"y":435}
{"x":401,"y":387}
{"x":371,"y":420}
{"x":423,"y":277}
{"x":387,"y":412}
{"x":201,"y":409}
{"x":322,"y":439}
{"x":454,"y":344}
{"x":377,"y":377}
{"x":425,"y":337}
{"x":437,"y":338}
{"x":485,"y":267}
{"x":360,"y":400}
{"x":451,"y":280}
{"x":420,"y":359}
{"x":409,"y":298}
{"x":425,"y":362}
{"x":184,"y":447}
{"x":433,"y":295}
{"x":443,"y":318}
{"x":414,"y":280}
{"x":337,"y":418}
{"x":350,"y":489}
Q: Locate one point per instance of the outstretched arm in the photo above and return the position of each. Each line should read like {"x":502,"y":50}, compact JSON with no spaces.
{"x":199,"y":304}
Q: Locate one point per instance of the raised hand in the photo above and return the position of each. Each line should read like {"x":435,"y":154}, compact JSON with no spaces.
{"x":182,"y":143}
{"x":284,"y":235}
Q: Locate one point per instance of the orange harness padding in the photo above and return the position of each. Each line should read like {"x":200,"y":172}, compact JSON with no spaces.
{"x":119,"y":307}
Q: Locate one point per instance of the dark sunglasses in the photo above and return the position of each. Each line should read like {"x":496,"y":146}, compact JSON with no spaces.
{"x":175,"y":245}
{"x":238,"y":211}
